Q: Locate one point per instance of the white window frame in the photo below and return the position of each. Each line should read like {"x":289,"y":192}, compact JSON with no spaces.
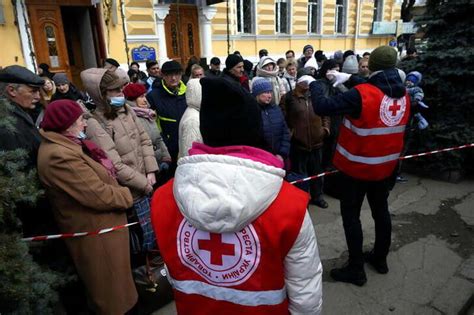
{"x":378,"y":13}
{"x":344,"y":8}
{"x":319,"y":7}
{"x":242,"y":17}
{"x":278,"y":26}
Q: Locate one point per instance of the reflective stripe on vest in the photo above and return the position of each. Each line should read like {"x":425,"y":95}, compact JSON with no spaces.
{"x":363,"y":132}
{"x":166,"y":119}
{"x":247,"y":298}
{"x":365,"y":159}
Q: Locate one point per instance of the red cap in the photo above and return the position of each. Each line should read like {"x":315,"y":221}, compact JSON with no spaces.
{"x":60,"y":115}
{"x":134,"y":90}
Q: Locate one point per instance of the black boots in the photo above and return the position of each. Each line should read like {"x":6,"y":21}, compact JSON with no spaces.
{"x":380,"y":265}
{"x":355,"y":274}
{"x":350,"y":273}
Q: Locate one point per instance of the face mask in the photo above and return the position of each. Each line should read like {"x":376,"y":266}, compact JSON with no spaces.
{"x":81,"y":135}
{"x":117,"y":101}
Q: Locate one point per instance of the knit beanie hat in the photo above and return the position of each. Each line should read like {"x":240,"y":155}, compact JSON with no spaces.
{"x":414,"y":77}
{"x":261,"y":85}
{"x":229,"y":115}
{"x":232,"y":60}
{"x":351,"y":65}
{"x":60,"y":78}
{"x":133,"y":90}
{"x":382,"y":57}
{"x":60,"y":115}
{"x":305,"y":48}
{"x":303,"y":71}
{"x":338,"y":56}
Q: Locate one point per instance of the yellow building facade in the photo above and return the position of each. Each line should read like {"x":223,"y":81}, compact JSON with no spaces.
{"x":72,"y":35}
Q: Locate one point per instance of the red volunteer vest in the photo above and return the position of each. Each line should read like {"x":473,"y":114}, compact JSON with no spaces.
{"x":368,"y":148}
{"x":229,"y":273}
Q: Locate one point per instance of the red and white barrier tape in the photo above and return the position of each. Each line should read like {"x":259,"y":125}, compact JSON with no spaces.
{"x":103,"y":231}
{"x":69,"y":235}
{"x":470,"y":145}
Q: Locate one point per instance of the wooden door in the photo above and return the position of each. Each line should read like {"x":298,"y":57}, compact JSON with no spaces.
{"x":182,"y":33}
{"x":48,"y":37}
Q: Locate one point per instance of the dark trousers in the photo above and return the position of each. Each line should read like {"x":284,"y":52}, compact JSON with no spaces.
{"x":308,"y":163}
{"x":352,"y":197}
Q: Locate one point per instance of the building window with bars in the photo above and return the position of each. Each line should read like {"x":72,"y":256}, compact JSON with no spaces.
{"x":282,"y":16}
{"x":314,"y":16}
{"x":244,"y":9}
{"x":378,"y":10}
{"x":340,"y":22}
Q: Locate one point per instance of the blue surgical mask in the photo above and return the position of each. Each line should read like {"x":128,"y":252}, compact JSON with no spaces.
{"x":81,"y":135}
{"x":117,"y":101}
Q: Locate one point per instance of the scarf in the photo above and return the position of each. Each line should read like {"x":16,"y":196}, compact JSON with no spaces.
{"x":96,"y":153}
{"x":145,"y":113}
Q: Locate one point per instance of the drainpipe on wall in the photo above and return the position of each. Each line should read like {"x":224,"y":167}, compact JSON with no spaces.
{"x":356,"y":37}
{"x":125,"y":32}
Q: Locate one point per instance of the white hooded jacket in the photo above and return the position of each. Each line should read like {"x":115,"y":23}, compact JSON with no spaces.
{"x":216,"y":193}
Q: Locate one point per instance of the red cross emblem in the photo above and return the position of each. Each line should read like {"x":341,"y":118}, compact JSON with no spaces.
{"x":394,"y":108}
{"x":216,"y":248}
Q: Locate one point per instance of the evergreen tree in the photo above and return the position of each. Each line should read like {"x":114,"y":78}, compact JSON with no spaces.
{"x":447,"y":65}
{"x":25,"y":287}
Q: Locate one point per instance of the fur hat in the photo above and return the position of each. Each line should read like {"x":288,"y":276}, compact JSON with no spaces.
{"x":229,"y":115}
{"x":382,"y":57}
{"x":351,"y":65}
{"x":60,"y":115}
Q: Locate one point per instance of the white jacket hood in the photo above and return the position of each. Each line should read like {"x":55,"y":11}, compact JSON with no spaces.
{"x":220,"y":193}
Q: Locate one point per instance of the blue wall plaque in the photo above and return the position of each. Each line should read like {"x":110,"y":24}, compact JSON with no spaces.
{"x":143,"y":53}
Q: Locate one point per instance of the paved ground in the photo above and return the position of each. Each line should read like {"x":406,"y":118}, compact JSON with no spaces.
{"x":431,"y":260}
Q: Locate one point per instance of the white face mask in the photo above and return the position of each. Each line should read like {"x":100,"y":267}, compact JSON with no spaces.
{"x":117,"y":101}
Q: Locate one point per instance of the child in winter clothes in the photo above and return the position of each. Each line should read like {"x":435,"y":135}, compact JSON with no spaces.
{"x":275,"y":130}
{"x":417,"y":95}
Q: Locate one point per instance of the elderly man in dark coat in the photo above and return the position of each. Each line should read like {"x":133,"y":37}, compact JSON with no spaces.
{"x":20,"y":88}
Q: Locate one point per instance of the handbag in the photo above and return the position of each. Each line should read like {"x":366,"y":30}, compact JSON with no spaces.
{"x":154,"y":290}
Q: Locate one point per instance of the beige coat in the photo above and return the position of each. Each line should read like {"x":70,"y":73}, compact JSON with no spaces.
{"x":123,"y":139}
{"x":85,"y":198}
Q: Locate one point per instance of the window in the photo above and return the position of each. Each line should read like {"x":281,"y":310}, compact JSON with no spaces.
{"x":244,"y":16}
{"x":378,"y":10}
{"x":340,"y":23}
{"x":282,"y":16}
{"x":314,"y":16}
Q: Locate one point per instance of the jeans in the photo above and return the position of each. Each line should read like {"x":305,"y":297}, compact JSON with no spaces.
{"x":308,"y":163}
{"x":352,"y":197}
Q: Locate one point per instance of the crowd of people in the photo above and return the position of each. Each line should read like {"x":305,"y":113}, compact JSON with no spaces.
{"x":201,"y":157}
